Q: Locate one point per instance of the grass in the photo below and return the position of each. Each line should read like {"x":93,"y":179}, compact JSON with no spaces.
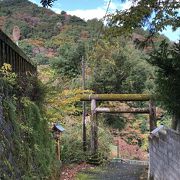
{"x":86,"y":175}
{"x":81,"y":176}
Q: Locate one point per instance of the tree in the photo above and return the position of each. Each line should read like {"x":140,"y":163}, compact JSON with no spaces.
{"x":68,"y":64}
{"x":41,"y":59}
{"x":166,"y":60}
{"x":47,"y":3}
{"x":117,"y":68}
{"x":156,"y":15}
{"x":152,"y":14}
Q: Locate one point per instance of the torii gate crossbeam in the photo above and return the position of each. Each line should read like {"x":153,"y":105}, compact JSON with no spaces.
{"x":151,"y":110}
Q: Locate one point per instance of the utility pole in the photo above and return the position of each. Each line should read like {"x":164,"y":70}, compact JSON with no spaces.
{"x":84,"y":108}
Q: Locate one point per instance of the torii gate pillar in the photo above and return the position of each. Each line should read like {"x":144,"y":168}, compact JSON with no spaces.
{"x":152,"y":116}
{"x":94,"y":128}
{"x":117,"y":97}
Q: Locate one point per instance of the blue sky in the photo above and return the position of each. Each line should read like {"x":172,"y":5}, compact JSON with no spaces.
{"x":88,"y":9}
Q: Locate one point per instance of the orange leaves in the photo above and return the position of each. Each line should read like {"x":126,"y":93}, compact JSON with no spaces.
{"x":129,"y":151}
{"x":36,"y":42}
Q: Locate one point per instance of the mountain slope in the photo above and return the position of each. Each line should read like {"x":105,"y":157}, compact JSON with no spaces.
{"x":32,"y":20}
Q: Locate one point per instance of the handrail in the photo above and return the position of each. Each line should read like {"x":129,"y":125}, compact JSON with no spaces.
{"x":10,"y":53}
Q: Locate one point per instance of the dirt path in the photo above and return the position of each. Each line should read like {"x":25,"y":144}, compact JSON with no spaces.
{"x":69,"y":172}
{"x":115,"y":171}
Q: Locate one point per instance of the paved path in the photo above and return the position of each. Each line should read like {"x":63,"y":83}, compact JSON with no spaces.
{"x":118,"y":171}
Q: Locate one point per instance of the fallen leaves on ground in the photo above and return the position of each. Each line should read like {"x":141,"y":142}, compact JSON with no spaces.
{"x":69,"y":171}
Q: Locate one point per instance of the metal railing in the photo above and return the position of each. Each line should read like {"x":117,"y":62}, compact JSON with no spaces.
{"x":11,"y":54}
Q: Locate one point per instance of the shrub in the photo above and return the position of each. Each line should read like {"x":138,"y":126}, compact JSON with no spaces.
{"x":72,"y":150}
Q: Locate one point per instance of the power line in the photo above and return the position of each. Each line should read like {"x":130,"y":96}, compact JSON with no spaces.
{"x":100,"y":30}
{"x":107,"y":9}
{"x":84,"y":139}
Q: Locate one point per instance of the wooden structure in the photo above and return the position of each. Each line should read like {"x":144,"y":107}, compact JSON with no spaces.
{"x":84,"y":108}
{"x":11,"y":54}
{"x":151,"y":110}
{"x":57,"y":131}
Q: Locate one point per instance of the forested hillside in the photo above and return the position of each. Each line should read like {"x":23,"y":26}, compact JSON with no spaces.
{"x":43,"y":31}
{"x":58,"y":43}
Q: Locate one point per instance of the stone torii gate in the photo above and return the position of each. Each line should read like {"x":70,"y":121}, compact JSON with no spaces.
{"x":151,"y":110}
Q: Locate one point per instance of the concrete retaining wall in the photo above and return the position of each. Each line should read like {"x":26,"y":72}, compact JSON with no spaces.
{"x":165,"y":155}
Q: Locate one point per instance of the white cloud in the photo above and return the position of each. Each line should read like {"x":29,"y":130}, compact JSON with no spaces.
{"x":98,"y":12}
{"x":126,"y":5}
{"x":88,"y":14}
{"x":57,"y":10}
{"x":113,"y":5}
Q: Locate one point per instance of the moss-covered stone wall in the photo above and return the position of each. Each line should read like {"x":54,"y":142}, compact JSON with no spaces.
{"x":26,"y":146}
{"x":26,"y":149}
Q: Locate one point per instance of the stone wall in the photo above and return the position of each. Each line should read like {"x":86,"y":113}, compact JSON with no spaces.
{"x":164,"y":147}
{"x":6,"y":145}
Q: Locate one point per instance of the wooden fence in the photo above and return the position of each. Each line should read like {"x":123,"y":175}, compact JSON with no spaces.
{"x":10,"y":53}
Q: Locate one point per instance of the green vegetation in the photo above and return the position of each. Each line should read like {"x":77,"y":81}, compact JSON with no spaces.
{"x":117,"y":67}
{"x":33,"y":21}
{"x":47,"y":3}
{"x":166,"y":59}
{"x":82,"y":176}
{"x":72,"y":150}
{"x":27,"y":146}
{"x":56,"y":43}
{"x":68,"y":64}
{"x":155,"y":15}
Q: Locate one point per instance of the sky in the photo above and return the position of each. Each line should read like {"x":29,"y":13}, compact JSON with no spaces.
{"x":89,"y":9}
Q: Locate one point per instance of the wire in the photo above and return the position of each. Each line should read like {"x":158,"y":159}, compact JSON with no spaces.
{"x":108,"y":6}
{"x":100,"y":30}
